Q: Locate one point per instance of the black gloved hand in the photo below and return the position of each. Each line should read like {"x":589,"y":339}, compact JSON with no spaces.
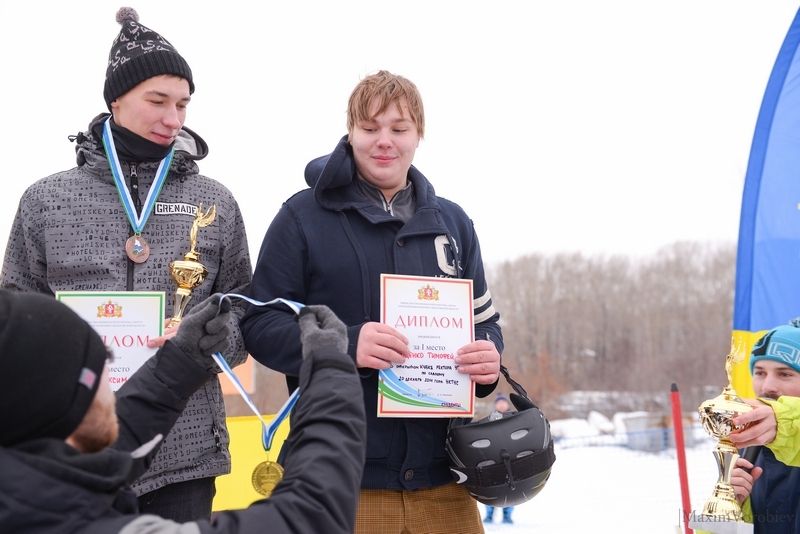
{"x":205,"y":330}
{"x":321,"y":329}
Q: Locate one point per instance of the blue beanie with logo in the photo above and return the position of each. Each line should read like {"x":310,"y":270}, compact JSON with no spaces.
{"x":781,"y":344}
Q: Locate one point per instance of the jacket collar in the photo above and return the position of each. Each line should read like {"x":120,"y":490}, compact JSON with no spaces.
{"x":189,"y":148}
{"x":332,"y":178}
{"x":102,"y":472}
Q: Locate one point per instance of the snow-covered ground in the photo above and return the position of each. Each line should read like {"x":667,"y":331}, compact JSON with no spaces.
{"x":600,"y":485}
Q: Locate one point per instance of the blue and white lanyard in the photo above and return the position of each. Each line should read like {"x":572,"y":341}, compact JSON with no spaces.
{"x":137,"y":221}
{"x":268,"y":429}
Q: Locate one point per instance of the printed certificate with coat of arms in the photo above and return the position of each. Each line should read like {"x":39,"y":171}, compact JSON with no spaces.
{"x":436,"y":316}
{"x":125,"y":320}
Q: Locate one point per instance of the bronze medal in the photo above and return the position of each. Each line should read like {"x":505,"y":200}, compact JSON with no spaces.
{"x":266,"y":476}
{"x":137,"y":249}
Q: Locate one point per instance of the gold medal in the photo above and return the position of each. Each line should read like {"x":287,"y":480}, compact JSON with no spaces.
{"x":137,"y":249}
{"x":266,"y":476}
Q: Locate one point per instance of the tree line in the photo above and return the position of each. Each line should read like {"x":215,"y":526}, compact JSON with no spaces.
{"x":617,"y":324}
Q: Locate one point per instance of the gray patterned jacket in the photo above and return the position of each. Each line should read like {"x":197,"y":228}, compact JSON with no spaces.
{"x":69,"y":233}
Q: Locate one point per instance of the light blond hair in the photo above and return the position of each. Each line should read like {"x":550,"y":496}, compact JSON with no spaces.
{"x":385,"y":89}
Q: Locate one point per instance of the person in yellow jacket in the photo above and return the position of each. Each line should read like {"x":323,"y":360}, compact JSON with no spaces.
{"x":769,"y":487}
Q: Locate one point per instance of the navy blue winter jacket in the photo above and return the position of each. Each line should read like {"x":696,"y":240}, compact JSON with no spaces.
{"x":329,"y":245}
{"x":775,"y":499}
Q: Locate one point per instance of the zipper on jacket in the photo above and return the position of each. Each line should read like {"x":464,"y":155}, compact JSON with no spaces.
{"x":129,"y":273}
{"x":137,"y":203}
{"x":387,"y":206}
{"x":217,"y":437}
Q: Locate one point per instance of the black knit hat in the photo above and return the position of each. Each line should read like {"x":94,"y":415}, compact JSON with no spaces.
{"x":139,"y":53}
{"x":51,"y":362}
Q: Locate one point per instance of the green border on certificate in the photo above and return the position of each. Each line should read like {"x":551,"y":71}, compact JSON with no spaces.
{"x":125,"y":320}
{"x":436,"y":316}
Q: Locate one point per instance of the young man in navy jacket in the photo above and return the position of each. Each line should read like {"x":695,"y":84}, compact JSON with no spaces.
{"x":369,"y":211}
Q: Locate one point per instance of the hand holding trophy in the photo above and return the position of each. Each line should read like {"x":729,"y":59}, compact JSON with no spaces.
{"x":716,"y":416}
{"x":189,"y":273}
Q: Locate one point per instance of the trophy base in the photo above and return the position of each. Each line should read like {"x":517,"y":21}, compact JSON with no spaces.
{"x":720,"y":526}
{"x":721,"y":514}
{"x":182,"y":298}
{"x":722,"y":505}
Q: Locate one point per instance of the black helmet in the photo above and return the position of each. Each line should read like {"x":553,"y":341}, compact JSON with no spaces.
{"x":506,"y":461}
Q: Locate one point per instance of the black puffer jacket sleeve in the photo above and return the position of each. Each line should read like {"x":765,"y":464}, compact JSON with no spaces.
{"x":324,"y":457}
{"x":150,"y":402}
{"x":325,"y":449}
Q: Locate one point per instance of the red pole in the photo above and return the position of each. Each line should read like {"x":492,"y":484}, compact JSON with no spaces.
{"x":677,"y":425}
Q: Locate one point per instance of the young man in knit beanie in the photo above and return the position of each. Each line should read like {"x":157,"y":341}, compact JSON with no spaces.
{"x":769,"y":486}
{"x":117,"y":220}
{"x":69,"y":447}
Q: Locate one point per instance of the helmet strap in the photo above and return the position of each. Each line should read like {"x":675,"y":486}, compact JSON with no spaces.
{"x":514,"y":384}
{"x":509,"y":473}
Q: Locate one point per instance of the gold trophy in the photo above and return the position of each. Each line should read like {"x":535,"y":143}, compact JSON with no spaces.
{"x":189,"y":273}
{"x":716,"y":416}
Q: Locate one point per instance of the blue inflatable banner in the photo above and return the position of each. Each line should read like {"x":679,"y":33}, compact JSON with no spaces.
{"x":768,"y":256}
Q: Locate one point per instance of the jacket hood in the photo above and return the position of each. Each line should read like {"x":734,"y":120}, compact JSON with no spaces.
{"x":189,"y":148}
{"x":333,"y":170}
{"x":330,"y":177}
{"x":64,"y":486}
{"x":103,"y":471}
{"x":56,"y":482}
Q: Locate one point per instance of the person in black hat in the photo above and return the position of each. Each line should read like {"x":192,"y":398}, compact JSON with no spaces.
{"x":117,"y":220}
{"x":50,"y":382}
{"x":137,"y":54}
{"x":69,"y":448}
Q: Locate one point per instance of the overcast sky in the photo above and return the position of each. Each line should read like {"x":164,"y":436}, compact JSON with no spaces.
{"x":604,"y":127}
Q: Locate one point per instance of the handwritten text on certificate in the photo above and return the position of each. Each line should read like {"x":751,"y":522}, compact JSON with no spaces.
{"x":435,"y":314}
{"x":125,"y":320}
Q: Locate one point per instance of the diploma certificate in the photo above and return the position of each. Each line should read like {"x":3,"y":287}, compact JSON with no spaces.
{"x":125,"y":320}
{"x":436,"y":316}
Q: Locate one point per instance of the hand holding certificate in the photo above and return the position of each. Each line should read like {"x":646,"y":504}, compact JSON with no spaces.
{"x":435,"y":314}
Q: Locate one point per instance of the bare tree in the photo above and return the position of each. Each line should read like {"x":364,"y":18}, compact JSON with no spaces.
{"x":573,"y":322}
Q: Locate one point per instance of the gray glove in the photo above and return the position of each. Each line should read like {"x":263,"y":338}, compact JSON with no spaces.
{"x":205,"y":330}
{"x":320,"y":329}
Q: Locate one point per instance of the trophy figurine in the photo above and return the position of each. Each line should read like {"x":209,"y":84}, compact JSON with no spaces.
{"x":716,"y":416}
{"x":189,"y":273}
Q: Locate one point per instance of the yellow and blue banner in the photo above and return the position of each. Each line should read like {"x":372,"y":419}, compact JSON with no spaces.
{"x":235,"y":490}
{"x":768,"y":256}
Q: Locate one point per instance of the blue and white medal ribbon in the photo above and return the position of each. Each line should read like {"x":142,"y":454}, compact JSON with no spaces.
{"x":137,"y":248}
{"x":268,"y":429}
